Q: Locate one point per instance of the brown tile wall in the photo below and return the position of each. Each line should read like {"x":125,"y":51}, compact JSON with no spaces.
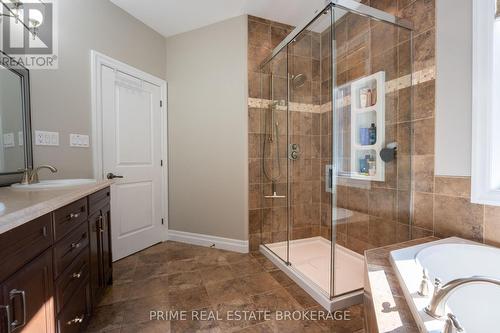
{"x":441,"y":204}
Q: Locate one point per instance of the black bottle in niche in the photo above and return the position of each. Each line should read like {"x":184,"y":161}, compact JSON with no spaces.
{"x":372,"y":133}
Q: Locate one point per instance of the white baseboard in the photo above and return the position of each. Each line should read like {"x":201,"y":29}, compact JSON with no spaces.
{"x":222,"y":243}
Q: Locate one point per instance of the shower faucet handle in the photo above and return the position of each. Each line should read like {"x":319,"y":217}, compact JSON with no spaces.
{"x":424,"y":284}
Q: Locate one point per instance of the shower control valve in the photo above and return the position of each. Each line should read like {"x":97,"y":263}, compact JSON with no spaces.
{"x":294,"y":151}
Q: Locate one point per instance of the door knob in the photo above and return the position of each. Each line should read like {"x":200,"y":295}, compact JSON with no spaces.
{"x":113,"y":176}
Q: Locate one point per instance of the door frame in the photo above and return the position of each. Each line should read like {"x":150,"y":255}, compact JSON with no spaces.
{"x":97,"y":60}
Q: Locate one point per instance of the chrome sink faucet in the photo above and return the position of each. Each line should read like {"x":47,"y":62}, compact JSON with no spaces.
{"x":31,"y":176}
{"x":437,"y":306}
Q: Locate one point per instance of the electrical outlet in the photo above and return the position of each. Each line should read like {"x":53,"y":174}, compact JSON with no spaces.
{"x":79,"y":140}
{"x":43,"y":138}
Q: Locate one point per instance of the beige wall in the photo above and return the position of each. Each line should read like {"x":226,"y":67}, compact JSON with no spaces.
{"x":453,"y":87}
{"x":207,"y":83}
{"x":61,"y":99}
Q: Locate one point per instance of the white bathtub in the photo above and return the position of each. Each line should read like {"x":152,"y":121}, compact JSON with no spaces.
{"x":477,"y":307}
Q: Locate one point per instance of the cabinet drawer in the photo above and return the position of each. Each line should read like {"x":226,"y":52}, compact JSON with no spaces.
{"x":68,"y":248}
{"x":71,"y":279}
{"x":75,"y":314}
{"x":24,"y":243}
{"x":69,"y":217}
{"x":29,"y":294}
{"x":99,"y":199}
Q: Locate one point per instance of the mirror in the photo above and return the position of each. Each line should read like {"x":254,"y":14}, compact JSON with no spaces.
{"x":15,"y":129}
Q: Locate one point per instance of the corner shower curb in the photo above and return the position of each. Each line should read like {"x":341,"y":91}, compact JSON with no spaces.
{"x":330,"y":304}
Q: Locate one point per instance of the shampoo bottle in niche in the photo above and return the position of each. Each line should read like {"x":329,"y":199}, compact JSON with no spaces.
{"x":364,"y":136}
{"x":363,"y":165}
{"x":363,"y":97}
{"x":373,"y":134}
{"x":373,"y":97}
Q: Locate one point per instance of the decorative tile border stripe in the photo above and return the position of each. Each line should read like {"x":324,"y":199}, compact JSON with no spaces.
{"x":400,"y":83}
{"x":281,"y":106}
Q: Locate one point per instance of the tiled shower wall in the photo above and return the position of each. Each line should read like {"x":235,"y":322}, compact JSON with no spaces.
{"x":441,"y":205}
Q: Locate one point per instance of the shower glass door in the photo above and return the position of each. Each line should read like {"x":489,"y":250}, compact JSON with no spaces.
{"x":310,"y":152}
{"x":274,"y":142}
{"x":336,"y":120}
{"x":372,"y":121}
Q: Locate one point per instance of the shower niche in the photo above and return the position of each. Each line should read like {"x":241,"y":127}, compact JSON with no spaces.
{"x":368,"y":127}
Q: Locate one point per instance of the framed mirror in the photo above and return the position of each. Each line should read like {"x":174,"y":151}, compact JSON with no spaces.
{"x":16,"y":151}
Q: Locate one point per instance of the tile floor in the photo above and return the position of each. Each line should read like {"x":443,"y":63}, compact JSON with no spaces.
{"x":175,"y":276}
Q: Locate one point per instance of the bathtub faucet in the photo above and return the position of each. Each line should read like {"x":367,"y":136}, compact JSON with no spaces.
{"x":437,"y":306}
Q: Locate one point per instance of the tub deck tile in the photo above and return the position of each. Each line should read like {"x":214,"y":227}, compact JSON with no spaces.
{"x":386,"y":309}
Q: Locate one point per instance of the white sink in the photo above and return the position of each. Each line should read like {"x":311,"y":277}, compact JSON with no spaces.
{"x":54,"y":184}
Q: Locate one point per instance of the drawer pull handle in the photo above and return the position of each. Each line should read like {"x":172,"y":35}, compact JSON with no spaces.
{"x":75,"y":245}
{"x":7,"y":321}
{"x":12,"y":295}
{"x":74,"y":215}
{"x":77,"y":275}
{"x":101,"y":224}
{"x":76,"y":320}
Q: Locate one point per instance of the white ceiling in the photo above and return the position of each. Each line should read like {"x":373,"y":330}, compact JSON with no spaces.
{"x":171,"y":17}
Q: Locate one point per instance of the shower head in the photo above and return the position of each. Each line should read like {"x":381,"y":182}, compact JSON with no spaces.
{"x":298,"y":80}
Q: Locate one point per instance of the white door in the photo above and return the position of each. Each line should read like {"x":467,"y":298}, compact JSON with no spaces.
{"x":132,"y":149}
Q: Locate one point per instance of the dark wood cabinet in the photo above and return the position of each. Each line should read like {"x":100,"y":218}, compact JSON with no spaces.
{"x":54,"y":269}
{"x":27,"y":297}
{"x":100,"y":248}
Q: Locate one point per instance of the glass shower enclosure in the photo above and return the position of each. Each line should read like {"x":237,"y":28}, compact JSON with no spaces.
{"x":336,"y":102}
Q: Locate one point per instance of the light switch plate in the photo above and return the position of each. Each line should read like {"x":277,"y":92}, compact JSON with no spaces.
{"x":8,"y":140}
{"x":44,"y":138}
{"x":79,"y":140}
{"x":20,"y":137}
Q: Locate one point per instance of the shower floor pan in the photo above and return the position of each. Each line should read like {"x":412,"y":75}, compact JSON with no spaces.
{"x":310,"y":268}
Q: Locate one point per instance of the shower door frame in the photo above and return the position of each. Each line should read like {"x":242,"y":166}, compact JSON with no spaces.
{"x":348,"y":5}
{"x":371,"y":13}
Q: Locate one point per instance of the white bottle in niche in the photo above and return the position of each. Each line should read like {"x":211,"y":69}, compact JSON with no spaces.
{"x":363,"y":97}
{"x":372,"y":166}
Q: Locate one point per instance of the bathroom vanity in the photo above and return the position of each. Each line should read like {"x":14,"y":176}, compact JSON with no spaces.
{"x":55,"y":257}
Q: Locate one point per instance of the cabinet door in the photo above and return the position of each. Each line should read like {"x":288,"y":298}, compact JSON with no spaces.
{"x":107,"y":270}
{"x":94,"y":245}
{"x":28,"y":297}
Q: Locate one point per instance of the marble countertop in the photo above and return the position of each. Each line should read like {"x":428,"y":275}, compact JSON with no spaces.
{"x":21,"y":206}
{"x":390,"y":310}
